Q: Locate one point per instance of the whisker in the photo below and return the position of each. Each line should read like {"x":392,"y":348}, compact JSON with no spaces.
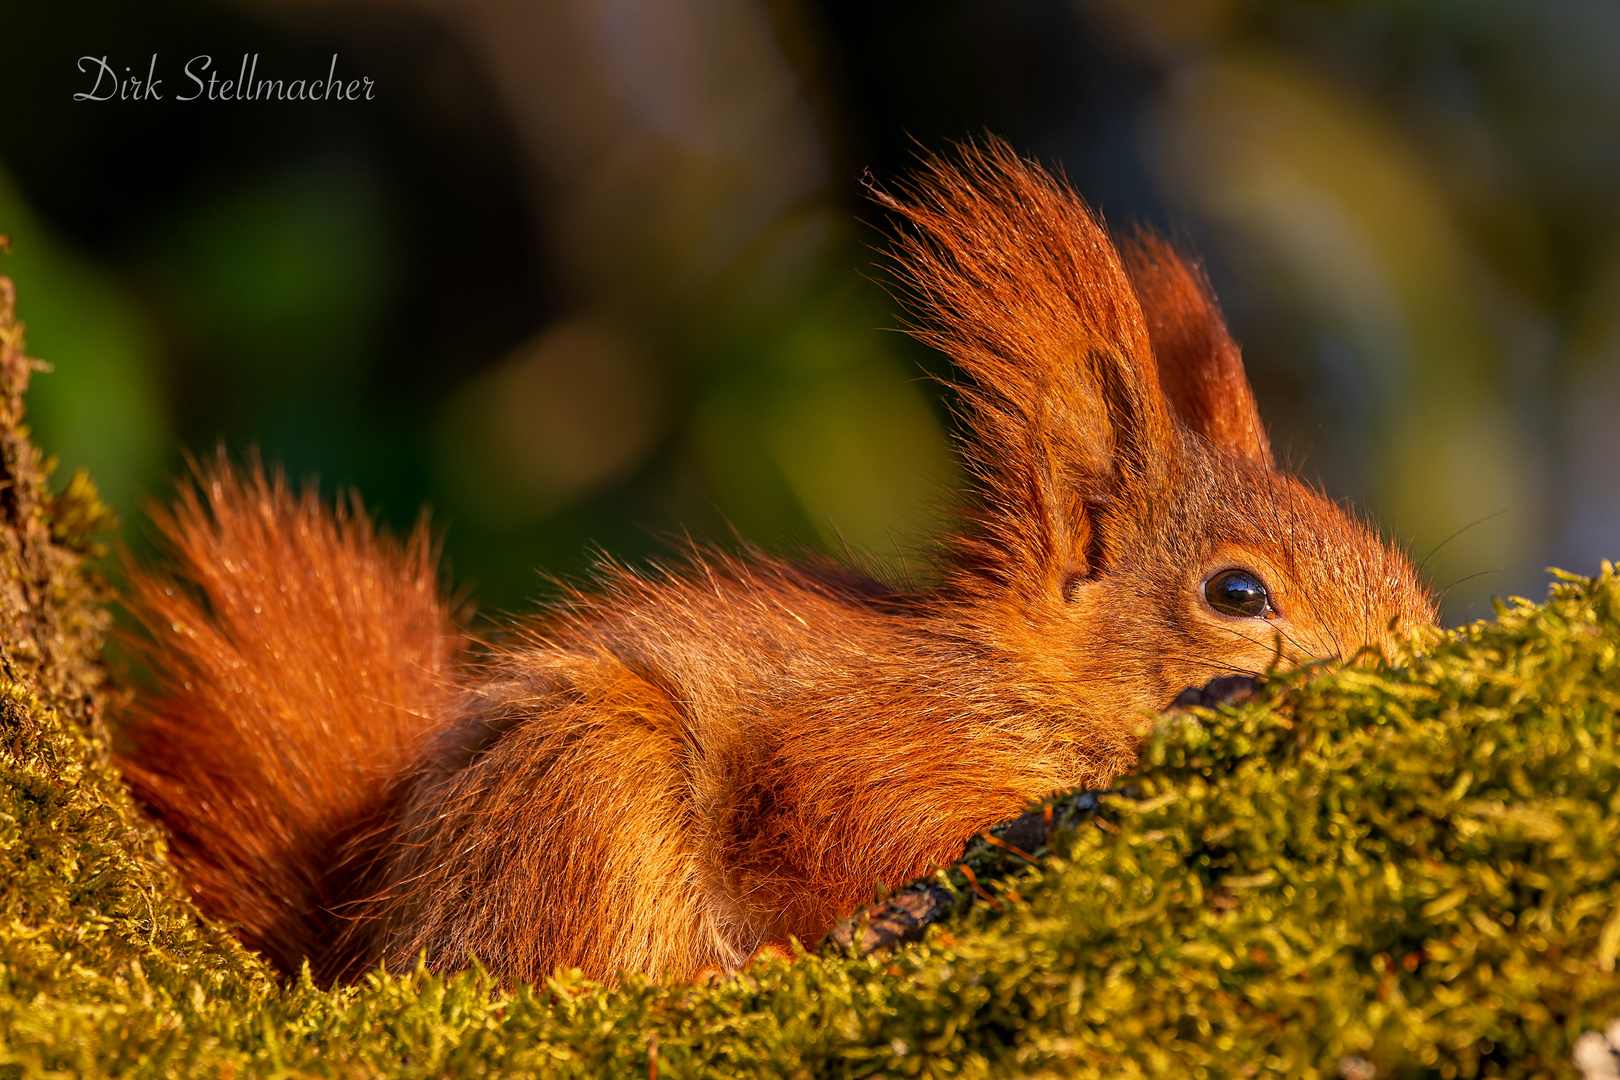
{"x":1212,"y":661}
{"x":1480,"y":521}
{"x":1276,"y":630}
{"x":1155,"y":653}
{"x":1471,"y":577}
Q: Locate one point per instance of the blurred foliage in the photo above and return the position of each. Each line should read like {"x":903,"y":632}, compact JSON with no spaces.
{"x":587,"y":276}
{"x":104,"y":405}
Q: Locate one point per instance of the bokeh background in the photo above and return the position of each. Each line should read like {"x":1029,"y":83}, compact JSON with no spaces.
{"x":592,"y":274}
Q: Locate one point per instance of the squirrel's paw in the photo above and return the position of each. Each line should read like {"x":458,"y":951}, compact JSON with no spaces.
{"x":1225,"y":690}
{"x":902,"y":918}
{"x":773,"y":950}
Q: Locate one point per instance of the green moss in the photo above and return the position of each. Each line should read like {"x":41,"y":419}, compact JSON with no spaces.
{"x":92,"y":922}
{"x":1417,"y":866}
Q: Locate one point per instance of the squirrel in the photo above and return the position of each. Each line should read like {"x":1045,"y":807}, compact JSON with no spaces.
{"x":669,"y":771}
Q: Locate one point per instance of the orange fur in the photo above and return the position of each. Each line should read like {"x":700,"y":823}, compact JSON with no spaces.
{"x":673,"y":771}
{"x":299,"y":658}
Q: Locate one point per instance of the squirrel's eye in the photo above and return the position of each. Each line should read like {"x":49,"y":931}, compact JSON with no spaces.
{"x":1238,"y":592}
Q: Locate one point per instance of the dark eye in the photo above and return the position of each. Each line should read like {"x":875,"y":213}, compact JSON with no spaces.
{"x":1238,"y":592}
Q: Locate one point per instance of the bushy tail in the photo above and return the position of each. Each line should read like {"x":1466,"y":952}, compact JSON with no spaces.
{"x":296,"y":657}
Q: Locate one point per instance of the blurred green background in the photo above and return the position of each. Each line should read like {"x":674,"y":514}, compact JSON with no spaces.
{"x":588,"y":275}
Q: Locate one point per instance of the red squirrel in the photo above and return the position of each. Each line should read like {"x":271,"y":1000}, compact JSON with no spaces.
{"x":670,"y":770}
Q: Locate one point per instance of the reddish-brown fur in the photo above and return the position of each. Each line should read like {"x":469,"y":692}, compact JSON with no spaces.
{"x":301,"y":658}
{"x":674,"y":769}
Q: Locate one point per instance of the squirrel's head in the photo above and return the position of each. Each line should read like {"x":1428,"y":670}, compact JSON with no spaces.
{"x":1131,"y":534}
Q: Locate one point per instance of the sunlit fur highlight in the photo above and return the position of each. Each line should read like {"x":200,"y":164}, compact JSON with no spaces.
{"x":672,"y":769}
{"x":298,"y":659}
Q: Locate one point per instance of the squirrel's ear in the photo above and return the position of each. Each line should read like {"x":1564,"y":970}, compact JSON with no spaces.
{"x":1200,"y":367}
{"x":1013,"y":278}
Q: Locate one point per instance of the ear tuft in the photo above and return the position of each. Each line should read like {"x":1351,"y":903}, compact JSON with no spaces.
{"x":1013,"y":278}
{"x":1200,"y":367}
